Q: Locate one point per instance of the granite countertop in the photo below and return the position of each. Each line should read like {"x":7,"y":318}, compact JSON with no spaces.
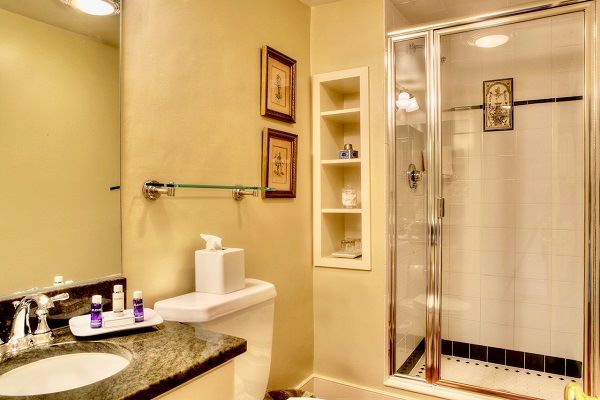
{"x":162,"y":358}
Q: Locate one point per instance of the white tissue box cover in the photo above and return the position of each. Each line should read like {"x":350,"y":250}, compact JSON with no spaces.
{"x":220,"y":271}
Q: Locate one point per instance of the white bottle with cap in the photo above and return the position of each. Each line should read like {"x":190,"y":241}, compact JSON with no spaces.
{"x":118,"y":300}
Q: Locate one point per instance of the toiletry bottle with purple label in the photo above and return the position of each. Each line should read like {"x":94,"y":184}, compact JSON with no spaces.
{"x":96,"y":312}
{"x":138,"y":306}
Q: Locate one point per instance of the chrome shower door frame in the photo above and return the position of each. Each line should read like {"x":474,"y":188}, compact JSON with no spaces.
{"x":391,"y":181}
{"x":434,"y":384}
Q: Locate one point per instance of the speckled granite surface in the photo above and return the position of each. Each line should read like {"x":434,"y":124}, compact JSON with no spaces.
{"x":162,"y":358}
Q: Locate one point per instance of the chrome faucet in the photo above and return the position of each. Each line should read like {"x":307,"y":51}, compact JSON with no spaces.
{"x":21,"y":337}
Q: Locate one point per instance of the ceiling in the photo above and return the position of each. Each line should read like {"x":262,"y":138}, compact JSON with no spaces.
{"x":313,"y":3}
{"x":53,"y":12}
{"x":423,"y":11}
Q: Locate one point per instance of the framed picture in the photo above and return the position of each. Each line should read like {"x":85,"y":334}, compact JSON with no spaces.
{"x":279,"y":157}
{"x":278,"y":86}
{"x":498,"y":108}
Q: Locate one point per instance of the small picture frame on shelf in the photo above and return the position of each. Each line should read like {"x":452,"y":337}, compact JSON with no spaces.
{"x":278,"y":85}
{"x":279,"y":158}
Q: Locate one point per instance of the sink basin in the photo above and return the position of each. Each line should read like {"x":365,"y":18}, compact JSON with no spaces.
{"x":78,"y":366}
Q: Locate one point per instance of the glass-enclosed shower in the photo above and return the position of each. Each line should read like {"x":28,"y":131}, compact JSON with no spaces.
{"x":488,"y":158}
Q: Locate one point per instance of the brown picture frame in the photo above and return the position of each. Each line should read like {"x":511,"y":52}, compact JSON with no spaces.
{"x":279,"y":170}
{"x":495,"y":115}
{"x":277,"y":86}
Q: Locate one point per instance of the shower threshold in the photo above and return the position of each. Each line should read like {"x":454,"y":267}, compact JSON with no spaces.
{"x":499,"y":377}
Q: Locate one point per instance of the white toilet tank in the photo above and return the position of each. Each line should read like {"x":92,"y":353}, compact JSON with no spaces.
{"x":246,"y":313}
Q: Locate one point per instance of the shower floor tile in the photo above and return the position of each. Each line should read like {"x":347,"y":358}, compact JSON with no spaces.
{"x":499,"y":377}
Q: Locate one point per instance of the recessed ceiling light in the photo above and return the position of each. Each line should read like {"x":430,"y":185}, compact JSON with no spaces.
{"x":490,"y":41}
{"x":95,"y":7}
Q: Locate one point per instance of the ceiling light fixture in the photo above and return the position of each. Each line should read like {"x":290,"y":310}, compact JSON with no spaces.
{"x":407,"y":102}
{"x":490,"y":41}
{"x":95,"y":7}
{"x":413,"y":106}
{"x":403,"y":100}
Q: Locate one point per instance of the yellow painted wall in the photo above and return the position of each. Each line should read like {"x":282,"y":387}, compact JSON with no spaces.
{"x":59,"y":147}
{"x":349,"y":306}
{"x":191,"y":114}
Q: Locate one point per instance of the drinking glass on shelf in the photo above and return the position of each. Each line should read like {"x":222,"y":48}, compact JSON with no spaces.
{"x":349,"y":197}
{"x":347,"y":244}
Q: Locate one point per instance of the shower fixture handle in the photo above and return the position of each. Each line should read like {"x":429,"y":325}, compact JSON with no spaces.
{"x":414,"y":176}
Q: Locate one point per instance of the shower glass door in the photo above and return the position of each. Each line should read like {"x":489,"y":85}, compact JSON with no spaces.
{"x":512,"y":176}
{"x":410,"y":133}
{"x":494,"y":197}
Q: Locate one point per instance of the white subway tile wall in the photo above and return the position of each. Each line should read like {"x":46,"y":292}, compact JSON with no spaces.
{"x":513,"y":233}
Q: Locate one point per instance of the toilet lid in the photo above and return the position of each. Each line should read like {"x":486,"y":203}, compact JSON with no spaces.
{"x":203,"y":307}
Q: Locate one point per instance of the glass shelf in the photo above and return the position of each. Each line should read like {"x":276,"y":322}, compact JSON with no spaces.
{"x":204,"y":186}
{"x":152,"y":190}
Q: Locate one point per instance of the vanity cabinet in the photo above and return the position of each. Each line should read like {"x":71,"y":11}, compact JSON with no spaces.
{"x":218,"y":383}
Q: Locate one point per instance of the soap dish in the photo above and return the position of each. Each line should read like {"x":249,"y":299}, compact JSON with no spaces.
{"x":80,"y":326}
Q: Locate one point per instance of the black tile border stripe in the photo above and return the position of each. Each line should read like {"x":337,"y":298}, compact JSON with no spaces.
{"x":568,"y":98}
{"x":522,"y":103}
{"x":412,"y":359}
{"x":512,"y":358}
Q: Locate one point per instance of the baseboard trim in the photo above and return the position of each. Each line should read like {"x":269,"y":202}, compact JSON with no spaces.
{"x":306,"y":384}
{"x":332,"y":389}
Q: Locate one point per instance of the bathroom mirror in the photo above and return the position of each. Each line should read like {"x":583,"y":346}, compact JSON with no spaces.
{"x":59,"y":142}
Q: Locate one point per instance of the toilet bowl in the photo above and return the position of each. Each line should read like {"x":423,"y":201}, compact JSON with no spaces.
{"x":246,"y":313}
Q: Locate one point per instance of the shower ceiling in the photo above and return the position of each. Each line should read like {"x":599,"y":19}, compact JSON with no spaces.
{"x":422,"y":11}
{"x":313,"y":3}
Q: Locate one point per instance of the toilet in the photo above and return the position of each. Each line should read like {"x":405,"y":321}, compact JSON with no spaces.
{"x":247,"y":313}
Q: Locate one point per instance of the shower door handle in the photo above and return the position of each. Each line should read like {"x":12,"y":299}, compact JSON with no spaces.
{"x":441,"y":207}
{"x":574,"y":392}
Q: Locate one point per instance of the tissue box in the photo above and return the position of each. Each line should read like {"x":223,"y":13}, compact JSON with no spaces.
{"x":220,"y":271}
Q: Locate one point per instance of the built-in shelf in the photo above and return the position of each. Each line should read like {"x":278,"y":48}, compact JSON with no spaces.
{"x":340,"y":116}
{"x":352,"y":162}
{"x":341,"y":210}
{"x":346,"y":116}
{"x":340,"y":262}
{"x":347,"y":85}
